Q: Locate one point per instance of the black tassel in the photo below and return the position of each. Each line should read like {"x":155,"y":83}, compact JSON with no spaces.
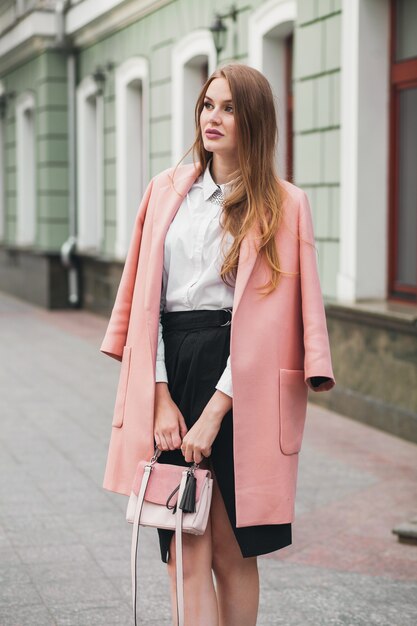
{"x":187,"y":503}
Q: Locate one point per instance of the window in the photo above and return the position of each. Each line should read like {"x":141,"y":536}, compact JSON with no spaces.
{"x":89,"y":166}
{"x":2,"y":164}
{"x":289,"y":106}
{"x":193,"y":59}
{"x":26,"y":170}
{"x":131,"y":146}
{"x":403,"y":152}
{"x":270,"y":37}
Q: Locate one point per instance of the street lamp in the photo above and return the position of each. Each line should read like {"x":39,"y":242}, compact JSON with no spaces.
{"x":219,"y":30}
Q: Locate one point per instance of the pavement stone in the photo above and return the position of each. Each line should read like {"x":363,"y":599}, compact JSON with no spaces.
{"x":64,"y":541}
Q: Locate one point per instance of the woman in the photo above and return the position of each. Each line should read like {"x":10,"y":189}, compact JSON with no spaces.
{"x":205,"y":253}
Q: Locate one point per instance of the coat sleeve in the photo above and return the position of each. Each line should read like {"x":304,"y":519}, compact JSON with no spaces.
{"x":115,"y":337}
{"x":317,"y":358}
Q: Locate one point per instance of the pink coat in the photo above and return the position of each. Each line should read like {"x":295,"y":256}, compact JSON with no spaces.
{"x":277,"y":343}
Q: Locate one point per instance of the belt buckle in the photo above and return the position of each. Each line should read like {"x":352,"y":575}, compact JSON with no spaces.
{"x":229,"y":321}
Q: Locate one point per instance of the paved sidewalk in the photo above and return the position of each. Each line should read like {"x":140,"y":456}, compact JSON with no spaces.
{"x":64,"y":541}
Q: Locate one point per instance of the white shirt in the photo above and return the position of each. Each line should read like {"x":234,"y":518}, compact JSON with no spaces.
{"x":192,"y":262}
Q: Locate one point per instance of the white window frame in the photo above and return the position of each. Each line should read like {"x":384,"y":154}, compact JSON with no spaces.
{"x":131,"y":153}
{"x":199,"y":43}
{"x":364,"y":186}
{"x":90,"y":153}
{"x":26,"y":169}
{"x":267,"y":54}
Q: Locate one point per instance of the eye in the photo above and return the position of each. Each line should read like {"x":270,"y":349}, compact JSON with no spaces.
{"x":229,"y":106}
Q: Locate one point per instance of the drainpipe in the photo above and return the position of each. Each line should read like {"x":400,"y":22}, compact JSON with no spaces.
{"x":68,"y":248}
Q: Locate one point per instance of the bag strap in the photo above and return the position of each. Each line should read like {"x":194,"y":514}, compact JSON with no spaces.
{"x":178,"y":547}
{"x":178,"y":552}
{"x":135,"y":536}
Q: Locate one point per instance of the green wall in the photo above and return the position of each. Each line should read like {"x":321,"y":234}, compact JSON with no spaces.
{"x":45,"y":76}
{"x":152,"y":37}
{"x":316,"y":70}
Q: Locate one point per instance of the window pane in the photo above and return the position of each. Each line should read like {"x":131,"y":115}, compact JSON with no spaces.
{"x":406,"y":19}
{"x":407,"y":192}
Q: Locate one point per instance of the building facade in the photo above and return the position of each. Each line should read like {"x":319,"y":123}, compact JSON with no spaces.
{"x":96,"y":98}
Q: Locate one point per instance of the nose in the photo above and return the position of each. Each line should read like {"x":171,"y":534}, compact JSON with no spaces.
{"x":214,"y":117}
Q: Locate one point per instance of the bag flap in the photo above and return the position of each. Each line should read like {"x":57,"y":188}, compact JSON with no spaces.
{"x":163,"y":480}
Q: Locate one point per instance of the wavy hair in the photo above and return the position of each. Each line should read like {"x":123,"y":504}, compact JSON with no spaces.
{"x":256,"y":194}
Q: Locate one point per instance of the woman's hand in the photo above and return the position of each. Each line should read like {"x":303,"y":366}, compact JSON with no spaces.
{"x":169,"y":423}
{"x":198,"y":441}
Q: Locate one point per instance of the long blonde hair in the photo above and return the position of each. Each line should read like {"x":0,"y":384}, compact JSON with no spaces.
{"x":256,"y":195}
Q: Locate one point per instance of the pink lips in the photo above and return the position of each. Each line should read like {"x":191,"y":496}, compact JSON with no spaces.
{"x":213,"y":133}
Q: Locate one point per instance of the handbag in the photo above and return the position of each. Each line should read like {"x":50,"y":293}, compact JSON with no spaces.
{"x":156,"y":491}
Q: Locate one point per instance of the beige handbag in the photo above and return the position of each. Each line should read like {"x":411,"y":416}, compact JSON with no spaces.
{"x":157,"y":488}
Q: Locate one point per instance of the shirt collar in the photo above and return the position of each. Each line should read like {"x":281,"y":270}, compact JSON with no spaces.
{"x":209,"y":186}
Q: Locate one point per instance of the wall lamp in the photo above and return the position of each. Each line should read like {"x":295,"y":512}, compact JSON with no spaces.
{"x":219,"y":30}
{"x":99,"y":75}
{"x":4,"y":101}
{"x":99,"y":78}
{"x":3,"y":106}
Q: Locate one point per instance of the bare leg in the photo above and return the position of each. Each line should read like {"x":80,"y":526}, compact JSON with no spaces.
{"x":237,"y":578}
{"x":200,"y":602}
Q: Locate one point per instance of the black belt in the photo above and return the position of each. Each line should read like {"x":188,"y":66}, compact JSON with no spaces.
{"x":192,"y":320}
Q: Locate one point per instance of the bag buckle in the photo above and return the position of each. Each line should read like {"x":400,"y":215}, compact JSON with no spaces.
{"x":157,"y":453}
{"x":228,"y":321}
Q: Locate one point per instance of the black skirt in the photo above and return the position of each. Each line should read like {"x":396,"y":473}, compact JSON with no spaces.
{"x":197,"y":346}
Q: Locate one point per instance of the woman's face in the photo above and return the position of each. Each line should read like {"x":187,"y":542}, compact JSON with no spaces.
{"x":217,"y":114}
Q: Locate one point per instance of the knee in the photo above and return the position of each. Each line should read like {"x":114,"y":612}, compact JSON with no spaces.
{"x":227,"y":565}
{"x":222,"y":564}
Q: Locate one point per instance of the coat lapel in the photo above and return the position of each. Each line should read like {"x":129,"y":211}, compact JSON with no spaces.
{"x":171,"y":202}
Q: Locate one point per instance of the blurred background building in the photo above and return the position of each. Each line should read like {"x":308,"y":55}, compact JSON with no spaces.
{"x":97,"y":97}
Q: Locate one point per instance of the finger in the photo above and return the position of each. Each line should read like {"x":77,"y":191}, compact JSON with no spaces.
{"x":198,"y":457}
{"x":170,"y":442}
{"x":164,"y":442}
{"x":188,"y":454}
{"x":176,"y":439}
{"x":183,"y":426}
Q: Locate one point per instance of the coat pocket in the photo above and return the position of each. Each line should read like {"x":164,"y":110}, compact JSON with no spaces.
{"x":119,"y":407}
{"x":293,"y":393}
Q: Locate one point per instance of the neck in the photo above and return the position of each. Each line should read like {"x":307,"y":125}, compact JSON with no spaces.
{"x":222,"y":168}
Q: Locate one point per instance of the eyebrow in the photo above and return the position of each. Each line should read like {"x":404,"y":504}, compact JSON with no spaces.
{"x":224,"y":101}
